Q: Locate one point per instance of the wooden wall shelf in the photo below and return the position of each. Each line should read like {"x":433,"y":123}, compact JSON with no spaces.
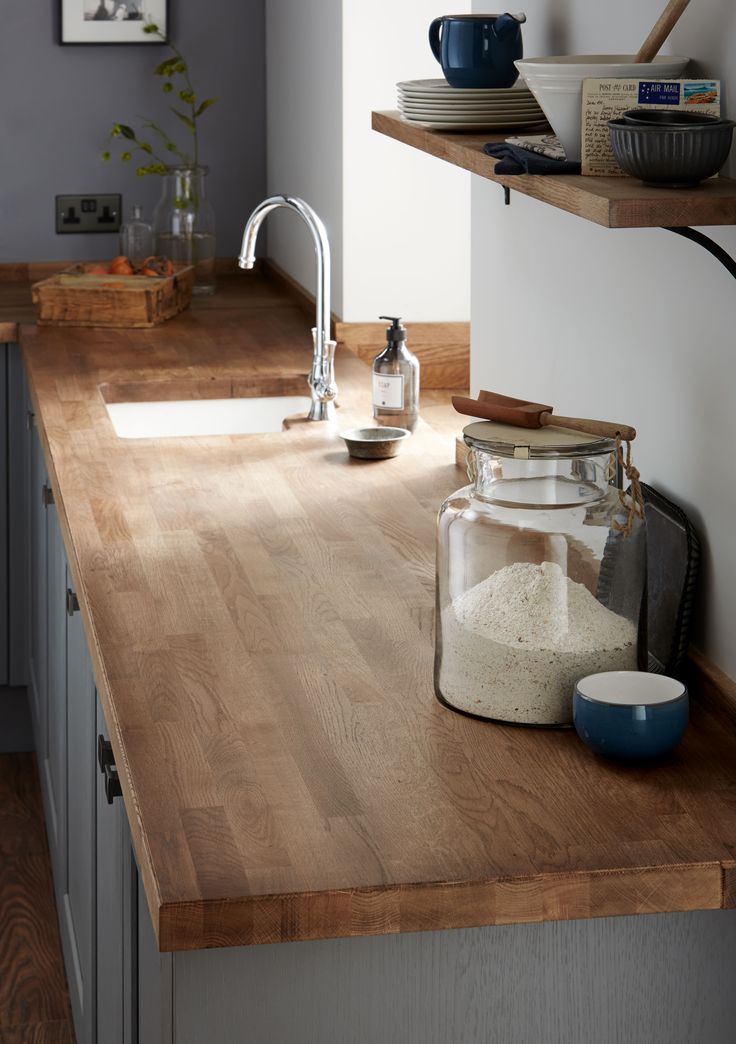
{"x":612,"y":202}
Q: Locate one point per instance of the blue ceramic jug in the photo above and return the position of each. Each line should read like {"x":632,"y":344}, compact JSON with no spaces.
{"x":478,"y":50}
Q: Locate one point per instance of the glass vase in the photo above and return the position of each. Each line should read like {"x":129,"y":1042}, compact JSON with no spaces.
{"x":184,"y":224}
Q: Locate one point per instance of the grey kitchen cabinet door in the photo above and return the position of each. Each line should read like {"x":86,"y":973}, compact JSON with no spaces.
{"x":53,"y":768}
{"x":78,"y":911}
{"x":18,"y":518}
{"x":134,"y":980}
{"x":110,"y":909}
{"x":37,"y":598}
{"x":155,"y":983}
{"x":14,"y":470}
{"x":4,"y":600}
{"x":117,"y":917}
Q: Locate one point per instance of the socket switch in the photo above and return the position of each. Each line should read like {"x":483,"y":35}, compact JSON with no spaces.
{"x":100,"y":213}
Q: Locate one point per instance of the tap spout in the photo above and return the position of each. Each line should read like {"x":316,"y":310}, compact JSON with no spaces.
{"x":322,"y":378}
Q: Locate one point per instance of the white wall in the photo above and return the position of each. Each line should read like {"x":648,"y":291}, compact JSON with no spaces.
{"x":635,"y":325}
{"x":398,"y":220}
{"x":304,"y":131}
{"x":406,"y":215}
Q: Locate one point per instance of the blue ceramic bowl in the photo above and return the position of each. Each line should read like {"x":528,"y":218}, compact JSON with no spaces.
{"x":630,"y":714}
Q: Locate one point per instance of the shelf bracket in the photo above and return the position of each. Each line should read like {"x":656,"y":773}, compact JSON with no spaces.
{"x":708,"y":244}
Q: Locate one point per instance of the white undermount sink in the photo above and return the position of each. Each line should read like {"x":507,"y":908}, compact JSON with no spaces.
{"x":161,"y":411}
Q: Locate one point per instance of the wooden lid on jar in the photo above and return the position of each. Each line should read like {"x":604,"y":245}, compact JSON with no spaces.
{"x":508,"y":440}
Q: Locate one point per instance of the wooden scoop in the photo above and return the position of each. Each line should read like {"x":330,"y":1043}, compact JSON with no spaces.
{"x":522,"y":414}
{"x":661,"y":30}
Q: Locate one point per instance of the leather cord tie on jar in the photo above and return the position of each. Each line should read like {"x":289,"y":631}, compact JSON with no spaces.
{"x":633,"y":501}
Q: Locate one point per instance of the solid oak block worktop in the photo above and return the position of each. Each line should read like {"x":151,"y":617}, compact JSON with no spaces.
{"x":260,"y":615}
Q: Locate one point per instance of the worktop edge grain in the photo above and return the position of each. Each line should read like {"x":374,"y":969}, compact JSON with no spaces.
{"x":135,"y":821}
{"x":350,"y":913}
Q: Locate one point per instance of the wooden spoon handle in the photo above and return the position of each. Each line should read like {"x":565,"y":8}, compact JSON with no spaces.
{"x":661,"y":30}
{"x":594,"y":427}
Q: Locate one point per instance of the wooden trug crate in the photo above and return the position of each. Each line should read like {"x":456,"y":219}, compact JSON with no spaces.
{"x":73,"y":299}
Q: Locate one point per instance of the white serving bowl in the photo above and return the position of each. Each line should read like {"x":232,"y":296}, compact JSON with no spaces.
{"x":557,"y":84}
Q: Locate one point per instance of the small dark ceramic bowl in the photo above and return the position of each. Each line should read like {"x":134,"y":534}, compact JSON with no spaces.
{"x":671,"y":157}
{"x":374,"y":443}
{"x":676,"y":118}
{"x":630,"y":714}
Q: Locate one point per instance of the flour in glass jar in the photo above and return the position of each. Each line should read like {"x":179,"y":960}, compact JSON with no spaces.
{"x":514,"y":645}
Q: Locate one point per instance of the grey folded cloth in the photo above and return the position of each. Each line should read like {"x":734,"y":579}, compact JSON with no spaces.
{"x":514,"y":160}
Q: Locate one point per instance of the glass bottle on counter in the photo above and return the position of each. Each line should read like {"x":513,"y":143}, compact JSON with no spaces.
{"x":541,"y":575}
{"x":136,"y":237}
{"x":396,"y":380}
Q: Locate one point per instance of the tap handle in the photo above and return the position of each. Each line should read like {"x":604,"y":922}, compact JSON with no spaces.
{"x":330,"y":358}
{"x":325,"y":341}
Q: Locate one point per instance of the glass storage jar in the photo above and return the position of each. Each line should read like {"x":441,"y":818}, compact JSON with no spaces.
{"x":540,"y":580}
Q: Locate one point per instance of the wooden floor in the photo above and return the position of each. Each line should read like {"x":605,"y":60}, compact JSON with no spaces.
{"x":34,"y":1003}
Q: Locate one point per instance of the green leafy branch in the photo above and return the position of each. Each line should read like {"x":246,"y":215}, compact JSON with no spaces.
{"x":171,"y":69}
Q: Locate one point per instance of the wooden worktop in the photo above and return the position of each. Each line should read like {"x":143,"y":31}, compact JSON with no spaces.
{"x":260,"y":616}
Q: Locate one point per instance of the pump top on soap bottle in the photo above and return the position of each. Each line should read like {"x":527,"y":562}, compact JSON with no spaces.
{"x":396,"y":380}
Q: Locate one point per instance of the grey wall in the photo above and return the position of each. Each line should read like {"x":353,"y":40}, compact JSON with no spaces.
{"x":57,"y":104}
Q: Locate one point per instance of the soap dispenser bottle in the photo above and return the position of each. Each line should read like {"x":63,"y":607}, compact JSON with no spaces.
{"x":396,"y":380}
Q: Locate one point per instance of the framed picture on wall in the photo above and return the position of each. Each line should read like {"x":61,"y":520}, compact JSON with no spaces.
{"x":111,"y":21}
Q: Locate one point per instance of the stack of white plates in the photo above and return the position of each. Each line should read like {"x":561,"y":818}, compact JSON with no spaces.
{"x":435,"y":104}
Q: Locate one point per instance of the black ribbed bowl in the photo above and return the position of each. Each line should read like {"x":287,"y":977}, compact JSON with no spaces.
{"x":671,"y":157}
{"x":671,"y":118}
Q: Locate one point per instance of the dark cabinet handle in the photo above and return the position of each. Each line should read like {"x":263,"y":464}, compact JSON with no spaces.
{"x":47,"y":495}
{"x":106,"y":761}
{"x":72,"y":602}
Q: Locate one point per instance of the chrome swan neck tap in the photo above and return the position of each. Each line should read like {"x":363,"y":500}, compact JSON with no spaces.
{"x":322,"y":377}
